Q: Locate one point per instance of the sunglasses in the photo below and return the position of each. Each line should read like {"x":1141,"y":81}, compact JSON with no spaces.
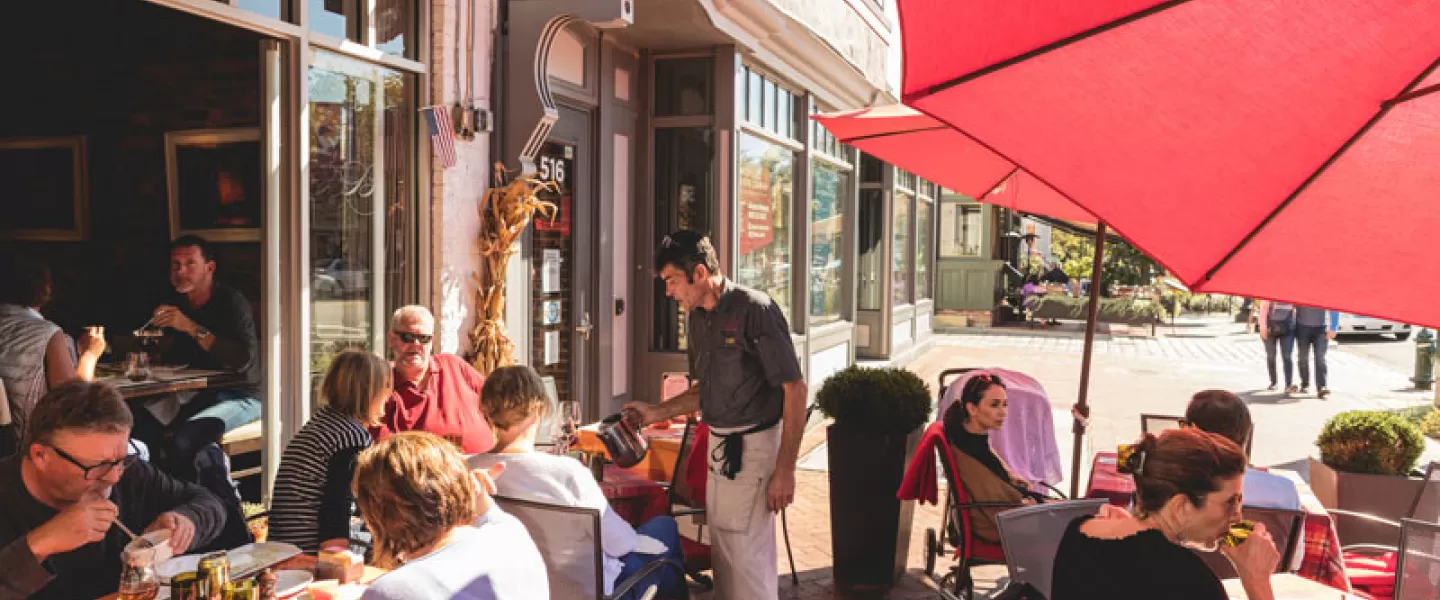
{"x":99,"y":470}
{"x":413,"y":338}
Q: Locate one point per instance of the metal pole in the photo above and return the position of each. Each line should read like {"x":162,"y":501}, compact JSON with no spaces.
{"x":1081,"y":410}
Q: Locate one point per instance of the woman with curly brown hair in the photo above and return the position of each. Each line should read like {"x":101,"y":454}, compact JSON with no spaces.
{"x":1187,"y":494}
{"x":434,"y":524}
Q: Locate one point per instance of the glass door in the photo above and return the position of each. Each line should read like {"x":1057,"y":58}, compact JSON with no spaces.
{"x":553,"y":274}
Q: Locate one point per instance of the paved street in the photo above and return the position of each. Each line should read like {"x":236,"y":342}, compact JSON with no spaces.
{"x":1130,"y":376}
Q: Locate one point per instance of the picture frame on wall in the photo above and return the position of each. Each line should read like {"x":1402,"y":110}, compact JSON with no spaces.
{"x":214,"y":183}
{"x":46,"y":196}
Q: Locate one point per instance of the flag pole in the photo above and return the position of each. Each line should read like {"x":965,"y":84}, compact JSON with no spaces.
{"x":1081,"y":410}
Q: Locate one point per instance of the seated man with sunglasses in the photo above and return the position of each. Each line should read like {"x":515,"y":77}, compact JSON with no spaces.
{"x":436,"y":393}
{"x":74,"y":479}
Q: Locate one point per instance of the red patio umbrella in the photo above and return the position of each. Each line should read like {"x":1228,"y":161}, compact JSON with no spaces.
{"x":1286,"y":149}
{"x":902,"y":136}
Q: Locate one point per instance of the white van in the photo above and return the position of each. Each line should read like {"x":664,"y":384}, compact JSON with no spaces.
{"x":1360,"y":325}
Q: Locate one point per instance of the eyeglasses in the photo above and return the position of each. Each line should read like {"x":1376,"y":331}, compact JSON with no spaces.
{"x":99,"y":470}
{"x":413,"y":338}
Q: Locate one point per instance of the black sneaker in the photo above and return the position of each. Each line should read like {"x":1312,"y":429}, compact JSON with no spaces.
{"x":1324,"y":392}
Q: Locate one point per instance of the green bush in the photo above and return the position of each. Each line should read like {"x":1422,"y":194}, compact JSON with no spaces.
{"x":1112,"y":310}
{"x":1431,"y":425}
{"x":1220,"y":304}
{"x":1363,"y":441}
{"x":893,"y":401}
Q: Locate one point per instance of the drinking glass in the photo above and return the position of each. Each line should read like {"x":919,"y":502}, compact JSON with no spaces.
{"x":138,"y":582}
{"x":137,"y":366}
{"x":567,"y":425}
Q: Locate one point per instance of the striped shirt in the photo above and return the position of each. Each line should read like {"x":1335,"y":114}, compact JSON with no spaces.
{"x":312,"y":501}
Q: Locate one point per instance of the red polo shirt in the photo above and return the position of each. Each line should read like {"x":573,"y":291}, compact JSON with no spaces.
{"x":448,"y":405}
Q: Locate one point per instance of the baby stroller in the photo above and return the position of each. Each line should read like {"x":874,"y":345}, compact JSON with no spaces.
{"x":956,"y":520}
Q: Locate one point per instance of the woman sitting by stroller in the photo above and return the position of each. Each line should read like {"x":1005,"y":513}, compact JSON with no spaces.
{"x":982,"y":408}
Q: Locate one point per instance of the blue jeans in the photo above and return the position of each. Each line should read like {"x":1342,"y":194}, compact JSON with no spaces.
{"x":1318,"y":338}
{"x":191,"y":442}
{"x":670,"y":583}
{"x":1286,"y":344}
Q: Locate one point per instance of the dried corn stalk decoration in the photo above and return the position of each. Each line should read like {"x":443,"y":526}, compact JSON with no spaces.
{"x":504,"y":215}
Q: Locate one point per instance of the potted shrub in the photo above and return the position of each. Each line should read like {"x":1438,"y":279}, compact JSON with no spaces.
{"x":878,"y":415}
{"x":1367,"y":465}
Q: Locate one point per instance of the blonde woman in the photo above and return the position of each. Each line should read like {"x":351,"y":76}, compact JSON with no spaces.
{"x":312,"y":503}
{"x":437,"y":529}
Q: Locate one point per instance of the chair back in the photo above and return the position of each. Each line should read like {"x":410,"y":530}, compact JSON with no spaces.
{"x":1286,"y":527}
{"x":569,"y":540}
{"x":1154,"y":424}
{"x":1427,"y":502}
{"x":1031,"y":536}
{"x":682,"y":492}
{"x":1417,"y":569}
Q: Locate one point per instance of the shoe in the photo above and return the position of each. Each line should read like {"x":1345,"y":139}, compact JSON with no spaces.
{"x":1291,"y":390}
{"x":1324,"y":392}
{"x":1271,"y":388}
{"x":1304,"y":389}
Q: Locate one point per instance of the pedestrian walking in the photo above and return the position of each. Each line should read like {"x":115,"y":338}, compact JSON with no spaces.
{"x":1314,"y":328}
{"x":749,"y":383}
{"x":1277,"y":331}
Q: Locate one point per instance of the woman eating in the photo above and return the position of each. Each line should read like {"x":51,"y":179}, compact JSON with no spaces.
{"x":312,"y":503}
{"x":436,"y":528}
{"x":1187,"y":494}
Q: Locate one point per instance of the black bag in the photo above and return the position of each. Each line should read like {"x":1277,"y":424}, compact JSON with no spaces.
{"x":1280,"y":327}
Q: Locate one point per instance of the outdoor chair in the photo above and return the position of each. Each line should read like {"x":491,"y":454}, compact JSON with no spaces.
{"x":1417,"y":573}
{"x":1155,"y":424}
{"x":1030,"y":536}
{"x":1372,"y":567}
{"x":569,"y":540}
{"x":1286,"y":527}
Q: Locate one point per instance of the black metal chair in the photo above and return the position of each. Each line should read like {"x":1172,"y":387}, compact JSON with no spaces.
{"x":1417,"y":567}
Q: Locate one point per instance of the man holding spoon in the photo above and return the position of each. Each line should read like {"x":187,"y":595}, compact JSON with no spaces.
{"x":72,"y":492}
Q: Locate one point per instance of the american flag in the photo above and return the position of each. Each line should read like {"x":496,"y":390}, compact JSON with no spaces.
{"x":442,"y":138}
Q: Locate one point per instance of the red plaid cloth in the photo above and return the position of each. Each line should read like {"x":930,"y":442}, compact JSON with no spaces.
{"x":1321,"y":560}
{"x":635,"y":498}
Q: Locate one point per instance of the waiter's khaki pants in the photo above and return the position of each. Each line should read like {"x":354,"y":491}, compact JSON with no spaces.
{"x":742,"y":528}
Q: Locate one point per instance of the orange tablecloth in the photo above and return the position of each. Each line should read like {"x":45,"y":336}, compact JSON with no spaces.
{"x":1321,"y":560}
{"x":659,"y":462}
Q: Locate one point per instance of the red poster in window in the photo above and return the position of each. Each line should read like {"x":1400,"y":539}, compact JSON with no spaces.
{"x":561,"y":223}
{"x":755,"y":219}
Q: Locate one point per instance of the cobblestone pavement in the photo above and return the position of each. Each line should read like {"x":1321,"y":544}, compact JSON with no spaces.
{"x":1129,"y":376}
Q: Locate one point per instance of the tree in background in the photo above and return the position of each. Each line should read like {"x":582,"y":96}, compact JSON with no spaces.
{"x":1124,"y":264}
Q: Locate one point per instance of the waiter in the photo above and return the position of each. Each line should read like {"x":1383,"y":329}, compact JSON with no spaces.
{"x":753,"y":398}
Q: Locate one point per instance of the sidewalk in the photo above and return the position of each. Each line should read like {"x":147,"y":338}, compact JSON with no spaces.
{"x":1129,"y":376}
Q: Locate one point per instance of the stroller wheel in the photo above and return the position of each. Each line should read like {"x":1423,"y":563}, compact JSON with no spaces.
{"x":932,"y":549}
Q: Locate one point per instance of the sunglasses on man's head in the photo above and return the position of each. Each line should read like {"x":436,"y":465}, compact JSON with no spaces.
{"x":414,"y":338}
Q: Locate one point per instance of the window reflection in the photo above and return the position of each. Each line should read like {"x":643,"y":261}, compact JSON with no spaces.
{"x":871,"y":239}
{"x":900,"y":253}
{"x":360,"y":160}
{"x":924,"y":215}
{"x":764,"y":218}
{"x":682,"y":201}
{"x":827,"y":225}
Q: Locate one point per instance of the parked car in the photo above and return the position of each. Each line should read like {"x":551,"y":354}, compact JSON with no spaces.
{"x":338,"y":277}
{"x":1362,"y":325}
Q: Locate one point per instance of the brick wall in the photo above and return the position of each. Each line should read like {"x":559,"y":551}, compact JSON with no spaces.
{"x":123,"y":74}
{"x":456,"y":192}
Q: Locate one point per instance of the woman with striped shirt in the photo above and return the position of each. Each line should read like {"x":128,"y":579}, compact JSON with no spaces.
{"x":312,"y":502}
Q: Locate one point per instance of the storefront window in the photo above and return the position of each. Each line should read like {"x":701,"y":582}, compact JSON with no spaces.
{"x":682,"y":201}
{"x":360,"y":145}
{"x":394,"y":21}
{"x":266,"y":8}
{"x":764,"y":220}
{"x":960,"y":229}
{"x":827,"y":241}
{"x":682,"y":86}
{"x":335,"y":18}
{"x":900,"y":250}
{"x":871,"y":220}
{"x":924,"y":220}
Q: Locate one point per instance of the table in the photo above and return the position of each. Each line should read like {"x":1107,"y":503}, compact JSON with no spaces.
{"x":1290,"y":587}
{"x":1321,"y":560}
{"x":303,"y":562}
{"x":175,"y":381}
{"x":659,"y":461}
{"x":636,"y":499}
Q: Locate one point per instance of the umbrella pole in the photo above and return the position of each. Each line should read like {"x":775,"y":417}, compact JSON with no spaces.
{"x":1081,"y":410}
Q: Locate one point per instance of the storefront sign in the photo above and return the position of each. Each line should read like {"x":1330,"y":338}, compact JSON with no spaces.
{"x":552,"y":347}
{"x":756,"y":221}
{"x":550,"y":271}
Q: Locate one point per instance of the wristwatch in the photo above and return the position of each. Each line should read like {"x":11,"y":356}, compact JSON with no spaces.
{"x":201,"y":333}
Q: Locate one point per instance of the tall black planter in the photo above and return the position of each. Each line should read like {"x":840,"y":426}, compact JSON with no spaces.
{"x":869,"y":527}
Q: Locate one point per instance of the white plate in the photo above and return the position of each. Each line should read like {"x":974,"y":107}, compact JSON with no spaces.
{"x":244,"y":560}
{"x":291,"y":583}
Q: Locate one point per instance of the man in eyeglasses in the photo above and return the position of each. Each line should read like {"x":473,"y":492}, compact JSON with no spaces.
{"x":438,"y":393}
{"x":61,"y":496}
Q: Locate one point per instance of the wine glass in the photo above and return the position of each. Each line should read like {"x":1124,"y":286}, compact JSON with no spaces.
{"x":138,"y":581}
{"x":567,"y":425}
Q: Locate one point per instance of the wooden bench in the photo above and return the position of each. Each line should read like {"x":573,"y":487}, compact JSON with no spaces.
{"x":243,"y":440}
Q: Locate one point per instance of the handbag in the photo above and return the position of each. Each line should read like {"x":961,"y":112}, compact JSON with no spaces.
{"x":1280,"y":327}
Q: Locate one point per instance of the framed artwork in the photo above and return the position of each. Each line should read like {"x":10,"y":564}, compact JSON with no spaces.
{"x":214,"y":183}
{"x":45,"y":196}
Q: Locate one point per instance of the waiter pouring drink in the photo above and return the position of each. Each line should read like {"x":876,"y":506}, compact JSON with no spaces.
{"x":753,"y":398}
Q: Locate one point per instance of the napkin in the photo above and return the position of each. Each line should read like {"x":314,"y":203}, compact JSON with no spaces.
{"x":645,"y":544}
